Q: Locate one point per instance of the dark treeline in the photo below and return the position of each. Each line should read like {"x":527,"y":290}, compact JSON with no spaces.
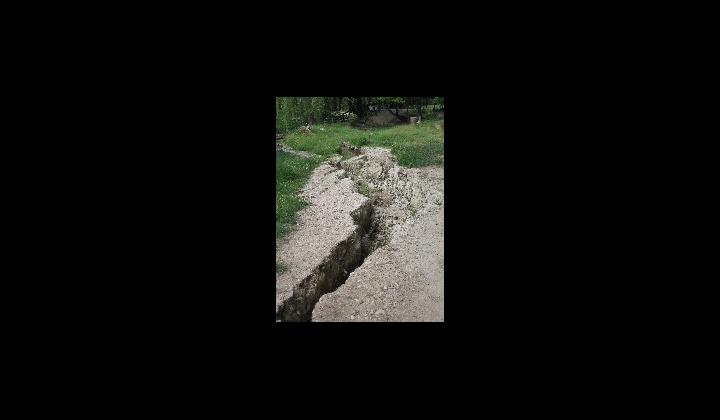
{"x":292,"y":112}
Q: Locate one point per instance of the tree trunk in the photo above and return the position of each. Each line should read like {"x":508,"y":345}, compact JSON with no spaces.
{"x":362,"y":109}
{"x":358,"y":107}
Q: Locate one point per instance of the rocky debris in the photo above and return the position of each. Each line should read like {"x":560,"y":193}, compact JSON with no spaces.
{"x":334,"y":160}
{"x":348,"y":149}
{"x":400,"y":194}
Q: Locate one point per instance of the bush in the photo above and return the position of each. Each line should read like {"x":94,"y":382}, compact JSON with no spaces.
{"x":343,"y":116}
{"x":293,"y":112}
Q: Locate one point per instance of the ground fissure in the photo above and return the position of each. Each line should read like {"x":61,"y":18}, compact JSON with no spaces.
{"x":334,"y":269}
{"x":397,"y":198}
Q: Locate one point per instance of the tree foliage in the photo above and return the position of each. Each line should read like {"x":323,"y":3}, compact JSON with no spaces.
{"x":293,"y":112}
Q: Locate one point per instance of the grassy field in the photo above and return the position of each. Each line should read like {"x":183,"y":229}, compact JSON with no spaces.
{"x":413,"y":145}
{"x":291,"y":173}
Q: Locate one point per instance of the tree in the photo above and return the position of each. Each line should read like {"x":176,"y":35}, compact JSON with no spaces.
{"x":418,"y":106}
{"x":293,"y":112}
{"x":358,"y":106}
{"x":389,"y":100}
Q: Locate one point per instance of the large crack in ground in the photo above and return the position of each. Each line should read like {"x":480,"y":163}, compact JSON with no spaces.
{"x":332,"y":272}
{"x":394,"y":200}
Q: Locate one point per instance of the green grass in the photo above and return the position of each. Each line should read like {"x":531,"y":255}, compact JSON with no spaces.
{"x":413,"y":145}
{"x":363,"y":189}
{"x":291,"y":173}
{"x":280,"y":267}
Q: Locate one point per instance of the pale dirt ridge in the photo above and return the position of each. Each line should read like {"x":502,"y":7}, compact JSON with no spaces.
{"x":321,"y":226}
{"x":403,"y":279}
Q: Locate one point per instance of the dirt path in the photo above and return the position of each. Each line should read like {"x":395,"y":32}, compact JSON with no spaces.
{"x":285,"y":148}
{"x":383,"y":264}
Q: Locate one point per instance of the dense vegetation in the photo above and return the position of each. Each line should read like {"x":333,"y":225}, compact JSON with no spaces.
{"x":292,"y":112}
